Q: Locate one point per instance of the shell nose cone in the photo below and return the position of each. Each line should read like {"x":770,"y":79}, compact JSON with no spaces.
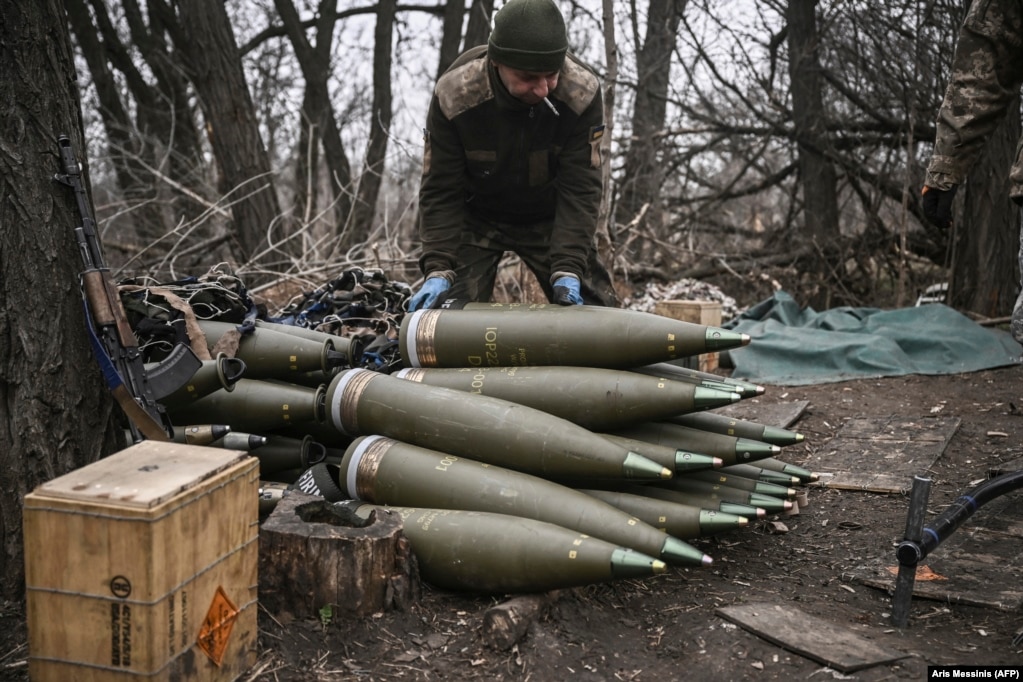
{"x":639,"y":467}
{"x":724,"y":339}
{"x":679,"y":553}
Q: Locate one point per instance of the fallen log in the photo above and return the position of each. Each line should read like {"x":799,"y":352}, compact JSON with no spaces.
{"x":507,"y":623}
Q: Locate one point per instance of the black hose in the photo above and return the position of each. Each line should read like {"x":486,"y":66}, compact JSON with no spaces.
{"x":911,"y":553}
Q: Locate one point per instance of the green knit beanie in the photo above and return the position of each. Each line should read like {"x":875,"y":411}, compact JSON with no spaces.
{"x":529,"y":35}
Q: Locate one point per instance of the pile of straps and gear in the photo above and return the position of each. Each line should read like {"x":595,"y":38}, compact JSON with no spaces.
{"x":357,"y":303}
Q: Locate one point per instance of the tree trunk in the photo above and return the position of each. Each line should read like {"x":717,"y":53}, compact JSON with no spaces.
{"x":319,"y":125}
{"x":202,"y":33}
{"x":817,"y":174}
{"x":477,"y":32}
{"x":379,"y":127}
{"x":163,"y":132}
{"x":137,"y":184}
{"x":644,"y":167}
{"x":54,"y":412}
{"x":168,"y":119}
{"x":604,"y":234}
{"x":451,"y":34}
{"x":985,"y":268}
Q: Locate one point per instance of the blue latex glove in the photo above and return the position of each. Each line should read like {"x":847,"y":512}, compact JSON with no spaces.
{"x":429,"y":294}
{"x":566,"y":291}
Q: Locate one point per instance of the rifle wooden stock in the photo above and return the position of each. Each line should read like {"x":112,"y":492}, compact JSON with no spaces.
{"x":114,"y":342}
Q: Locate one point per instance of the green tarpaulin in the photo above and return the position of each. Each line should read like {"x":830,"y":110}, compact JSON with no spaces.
{"x":793,"y":346}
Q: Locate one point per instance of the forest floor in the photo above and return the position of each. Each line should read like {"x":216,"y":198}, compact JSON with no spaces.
{"x":672,"y":627}
{"x":668,"y":627}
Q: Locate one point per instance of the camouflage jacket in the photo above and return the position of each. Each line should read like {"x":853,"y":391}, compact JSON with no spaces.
{"x":492,"y":155}
{"x":986,"y":76}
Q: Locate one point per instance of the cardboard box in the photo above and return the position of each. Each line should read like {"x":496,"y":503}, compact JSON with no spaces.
{"x":143,"y":565}
{"x":707,"y":313}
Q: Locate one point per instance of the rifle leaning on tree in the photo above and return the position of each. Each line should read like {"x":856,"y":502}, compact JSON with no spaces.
{"x":135,"y":387}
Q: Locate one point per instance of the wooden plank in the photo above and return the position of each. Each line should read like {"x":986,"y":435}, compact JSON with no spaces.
{"x":960,"y":587}
{"x":871,"y":483}
{"x":1006,"y":467}
{"x":882,"y":454}
{"x":780,"y":415}
{"x":1000,"y":600}
{"x":809,"y":636}
{"x":896,"y":429}
{"x":979,"y":564}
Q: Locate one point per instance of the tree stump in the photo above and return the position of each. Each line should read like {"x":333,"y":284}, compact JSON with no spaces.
{"x":314,"y":555}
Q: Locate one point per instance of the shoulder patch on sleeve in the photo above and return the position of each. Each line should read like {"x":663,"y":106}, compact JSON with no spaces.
{"x":463,"y":88}
{"x":577,"y":85}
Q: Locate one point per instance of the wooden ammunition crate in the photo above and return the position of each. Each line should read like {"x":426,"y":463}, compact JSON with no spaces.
{"x":698,"y":312}
{"x":143,"y":565}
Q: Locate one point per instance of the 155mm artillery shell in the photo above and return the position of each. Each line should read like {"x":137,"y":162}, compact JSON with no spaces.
{"x":588,"y":396}
{"x":213,"y":375}
{"x":283,"y":453}
{"x":775,"y":464}
{"x":670,"y":370}
{"x":361,"y":402}
{"x":704,"y":501}
{"x":350,"y":347}
{"x":683,"y":521}
{"x":386,"y":471}
{"x":272,"y":354}
{"x":677,"y":460}
{"x":772,"y":504}
{"x":495,"y":338}
{"x":740,"y":428}
{"x":497,"y":553}
{"x":730,"y":449}
{"x":256,"y":406}
{"x":741,"y":483}
{"x":756,"y":473}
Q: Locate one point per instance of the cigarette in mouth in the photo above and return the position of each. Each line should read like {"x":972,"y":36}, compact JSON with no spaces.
{"x":551,"y":106}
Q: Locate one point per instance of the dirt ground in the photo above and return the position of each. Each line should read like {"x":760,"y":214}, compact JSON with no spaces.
{"x":667,"y":628}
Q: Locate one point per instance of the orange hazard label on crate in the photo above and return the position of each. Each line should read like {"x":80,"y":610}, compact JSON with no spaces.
{"x":216,"y":627}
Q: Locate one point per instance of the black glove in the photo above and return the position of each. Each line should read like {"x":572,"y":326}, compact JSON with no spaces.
{"x":937,"y":204}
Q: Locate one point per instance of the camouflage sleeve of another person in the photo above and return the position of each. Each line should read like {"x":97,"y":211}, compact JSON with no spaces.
{"x":986,"y":75}
{"x":579,"y":172}
{"x":441,"y":193}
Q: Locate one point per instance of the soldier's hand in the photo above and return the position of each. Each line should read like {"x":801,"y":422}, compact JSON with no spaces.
{"x":429,"y":294}
{"x":566,"y":291}
{"x":937,"y":205}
